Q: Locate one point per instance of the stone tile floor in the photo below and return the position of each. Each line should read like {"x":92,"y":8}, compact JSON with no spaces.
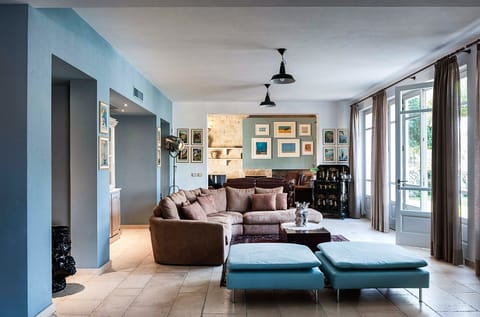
{"x":137,"y":286}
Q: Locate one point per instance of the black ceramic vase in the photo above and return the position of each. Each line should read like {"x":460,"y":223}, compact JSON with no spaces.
{"x":63,"y":264}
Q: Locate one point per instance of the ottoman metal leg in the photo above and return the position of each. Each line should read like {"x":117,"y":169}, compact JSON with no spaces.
{"x":419,"y":295}
{"x":338,"y":295}
{"x":232,"y":296}
{"x":315,"y":292}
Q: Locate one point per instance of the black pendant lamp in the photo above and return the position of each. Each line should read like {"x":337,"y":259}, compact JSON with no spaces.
{"x":282,"y":77}
{"x":267,"y":102}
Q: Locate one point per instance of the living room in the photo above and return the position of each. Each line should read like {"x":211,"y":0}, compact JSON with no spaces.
{"x":180,"y":65}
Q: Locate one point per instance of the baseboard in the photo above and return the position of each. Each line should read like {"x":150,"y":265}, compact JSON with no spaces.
{"x":134,"y":226}
{"x":48,"y":311}
{"x":97,"y":271}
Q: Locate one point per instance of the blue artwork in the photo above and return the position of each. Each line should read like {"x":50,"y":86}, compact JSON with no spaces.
{"x":261,"y":148}
{"x":289,"y":148}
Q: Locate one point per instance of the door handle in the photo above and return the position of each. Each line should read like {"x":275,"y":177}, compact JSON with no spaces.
{"x":399,"y":183}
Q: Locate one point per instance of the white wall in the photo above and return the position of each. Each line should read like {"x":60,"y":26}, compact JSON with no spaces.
{"x":195,"y":115}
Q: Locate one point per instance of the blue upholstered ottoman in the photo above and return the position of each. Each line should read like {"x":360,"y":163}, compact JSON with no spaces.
{"x":273,"y":266}
{"x":350,"y":265}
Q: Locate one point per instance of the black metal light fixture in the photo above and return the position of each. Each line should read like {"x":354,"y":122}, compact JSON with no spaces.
{"x":267,"y":102}
{"x":282,"y":77}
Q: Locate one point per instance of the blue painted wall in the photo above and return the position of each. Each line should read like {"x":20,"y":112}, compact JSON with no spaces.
{"x":135,"y":144}
{"x":29,"y":39}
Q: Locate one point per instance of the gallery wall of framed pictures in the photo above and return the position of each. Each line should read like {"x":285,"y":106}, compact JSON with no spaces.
{"x":335,"y":145}
{"x":194,"y":151}
{"x":103,"y":138}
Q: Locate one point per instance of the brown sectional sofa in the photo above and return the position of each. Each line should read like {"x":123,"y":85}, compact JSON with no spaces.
{"x":180,"y":241}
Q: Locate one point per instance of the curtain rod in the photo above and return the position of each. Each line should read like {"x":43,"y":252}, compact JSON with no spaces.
{"x":412,"y":75}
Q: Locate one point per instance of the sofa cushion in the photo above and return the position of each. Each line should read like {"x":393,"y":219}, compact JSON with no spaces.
{"x":281,"y":201}
{"x":220,"y":197}
{"x":192,"y":194}
{"x":269,"y":217}
{"x":239,"y":199}
{"x":193,"y":211}
{"x":208,"y":204}
{"x":263,"y":201}
{"x":234,"y":216}
{"x":260,"y":190}
{"x":178,"y":198}
{"x":168,"y":209}
{"x":368,"y":256}
{"x":271,"y":256}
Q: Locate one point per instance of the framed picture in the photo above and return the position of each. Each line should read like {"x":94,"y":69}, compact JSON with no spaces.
{"x":329,"y":154}
{"x":103,"y":146}
{"x":262,"y":129}
{"x":196,"y":153}
{"x":342,"y":136}
{"x":342,"y":153}
{"x":103,"y":115}
{"x":182,"y":133}
{"x":307,"y":147}
{"x":159,"y":147}
{"x":284,"y":129}
{"x":328,"y":136}
{"x":261,"y":148}
{"x":197,"y":137}
{"x":305,"y":129}
{"x":288,"y":148}
{"x":183,"y":155}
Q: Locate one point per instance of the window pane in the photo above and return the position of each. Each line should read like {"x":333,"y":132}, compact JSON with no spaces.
{"x":412,"y":150}
{"x":368,"y":154}
{"x":393,"y":147}
{"x":368,"y":188}
{"x":416,"y":200}
{"x":463,"y":168}
{"x":393,"y":192}
{"x":368,"y":120}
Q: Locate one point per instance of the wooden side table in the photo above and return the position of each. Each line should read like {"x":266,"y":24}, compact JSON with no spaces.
{"x":310,"y":236}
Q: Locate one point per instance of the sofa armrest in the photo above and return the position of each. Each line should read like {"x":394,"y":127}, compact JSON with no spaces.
{"x":188,"y":242}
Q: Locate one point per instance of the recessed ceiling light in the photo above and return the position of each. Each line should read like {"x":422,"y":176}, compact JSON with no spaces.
{"x":125,"y":105}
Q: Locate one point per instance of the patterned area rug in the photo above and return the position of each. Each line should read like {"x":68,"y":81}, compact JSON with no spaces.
{"x":264,"y":238}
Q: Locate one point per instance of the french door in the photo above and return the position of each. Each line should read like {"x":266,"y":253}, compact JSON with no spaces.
{"x":413,"y":164}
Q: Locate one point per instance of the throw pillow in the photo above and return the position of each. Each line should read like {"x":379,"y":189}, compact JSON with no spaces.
{"x":259,"y":190}
{"x":281,"y":201}
{"x":239,"y":199}
{"x":263,"y":202}
{"x":193,"y":211}
{"x":219,"y":196}
{"x":208,"y":204}
{"x":191,"y":194}
{"x":169,"y":209}
{"x":178,"y":198}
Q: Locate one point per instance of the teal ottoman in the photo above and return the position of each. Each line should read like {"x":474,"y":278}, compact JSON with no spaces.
{"x":350,"y":265}
{"x":273,"y":266}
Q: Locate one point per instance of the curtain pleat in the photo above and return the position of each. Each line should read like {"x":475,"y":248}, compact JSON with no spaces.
{"x":476,"y":170}
{"x":380,"y":186}
{"x":355,"y":189}
{"x":446,"y":238}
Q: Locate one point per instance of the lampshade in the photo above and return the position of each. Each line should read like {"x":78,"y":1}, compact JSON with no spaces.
{"x":174,"y":145}
{"x":267,"y":102}
{"x":282,"y":77}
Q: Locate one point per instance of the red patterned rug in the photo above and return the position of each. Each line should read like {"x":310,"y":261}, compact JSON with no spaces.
{"x":264,"y":238}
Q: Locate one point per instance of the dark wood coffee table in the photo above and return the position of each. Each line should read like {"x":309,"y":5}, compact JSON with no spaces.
{"x":309,"y":237}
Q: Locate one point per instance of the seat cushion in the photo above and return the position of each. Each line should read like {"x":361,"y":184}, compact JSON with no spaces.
{"x":368,"y":256}
{"x":269,"y":217}
{"x":271,"y":256}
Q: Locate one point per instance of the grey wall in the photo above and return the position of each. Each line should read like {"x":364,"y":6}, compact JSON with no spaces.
{"x":83,"y":171}
{"x":13,"y":161}
{"x":302,"y":162}
{"x":61,"y":155}
{"x":135,"y":160}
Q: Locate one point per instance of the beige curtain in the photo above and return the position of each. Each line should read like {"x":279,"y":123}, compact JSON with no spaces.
{"x":355,"y":189}
{"x":380,"y":186}
{"x":476,"y":170}
{"x":446,"y":237}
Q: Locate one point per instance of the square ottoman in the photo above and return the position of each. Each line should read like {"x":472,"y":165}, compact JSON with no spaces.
{"x":350,"y":265}
{"x":273,"y":266}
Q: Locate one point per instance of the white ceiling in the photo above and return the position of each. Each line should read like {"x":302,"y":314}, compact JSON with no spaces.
{"x":224,"y":53}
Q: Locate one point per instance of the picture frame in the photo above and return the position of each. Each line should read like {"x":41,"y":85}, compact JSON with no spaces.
{"x":329,"y":154}
{"x":262,"y":129}
{"x":342,"y":154}
{"x":284,"y":129}
{"x":103,"y":117}
{"x":288,"y":148}
{"x":159,"y":146}
{"x":307,"y":147}
{"x":261,"y":148}
{"x":183,"y":155}
{"x":103,"y":153}
{"x":196,"y":154}
{"x":328,"y":136}
{"x":196,"y":137}
{"x":343,"y":136}
{"x":304,"y":129}
{"x":183,"y":134}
